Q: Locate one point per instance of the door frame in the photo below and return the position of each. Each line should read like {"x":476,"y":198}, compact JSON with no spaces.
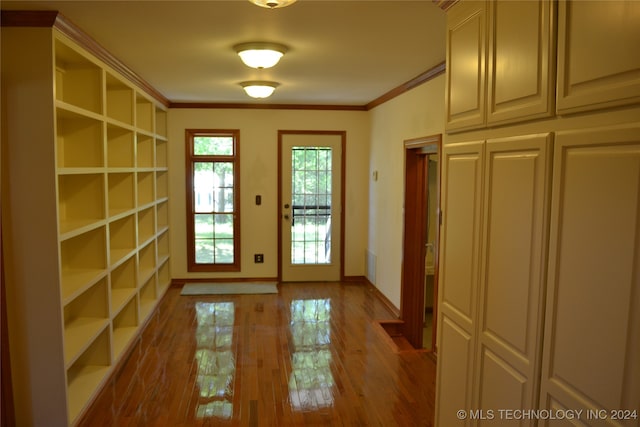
{"x":343,"y":145}
{"x":412,"y":290}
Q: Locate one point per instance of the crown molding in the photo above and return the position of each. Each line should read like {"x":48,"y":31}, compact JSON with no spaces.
{"x":445,"y":4}
{"x":54,"y":19}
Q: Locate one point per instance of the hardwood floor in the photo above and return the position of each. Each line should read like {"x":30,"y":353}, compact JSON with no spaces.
{"x":311,"y":355}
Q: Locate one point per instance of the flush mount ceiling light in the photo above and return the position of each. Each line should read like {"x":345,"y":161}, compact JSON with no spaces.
{"x":260,"y":54}
{"x":273,"y":4}
{"x":259,"y":88}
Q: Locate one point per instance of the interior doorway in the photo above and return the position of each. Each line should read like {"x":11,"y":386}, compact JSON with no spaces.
{"x":418,"y":305}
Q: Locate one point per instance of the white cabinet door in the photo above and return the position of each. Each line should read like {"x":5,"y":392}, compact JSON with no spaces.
{"x":598,"y":58}
{"x":512,"y":280}
{"x":521,"y":63}
{"x":591,"y":355}
{"x":460,"y":251}
{"x":466,"y":59}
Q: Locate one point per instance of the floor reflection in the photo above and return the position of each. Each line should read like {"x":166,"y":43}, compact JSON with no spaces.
{"x":311,"y":381}
{"x":215,"y":359}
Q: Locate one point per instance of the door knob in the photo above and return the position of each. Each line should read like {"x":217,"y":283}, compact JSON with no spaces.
{"x":285,"y":216}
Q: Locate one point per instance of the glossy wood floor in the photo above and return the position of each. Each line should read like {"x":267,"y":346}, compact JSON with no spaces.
{"x":312,"y":355}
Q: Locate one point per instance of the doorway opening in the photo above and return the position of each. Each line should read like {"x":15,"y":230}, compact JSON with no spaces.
{"x":418,"y":305}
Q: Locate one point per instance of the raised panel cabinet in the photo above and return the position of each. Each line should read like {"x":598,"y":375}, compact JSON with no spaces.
{"x":598,"y":60}
{"x":592,"y":334}
{"x":462,"y":171}
{"x":512,"y":279}
{"x":466,"y":65}
{"x":500,"y":63}
{"x":521,"y":64}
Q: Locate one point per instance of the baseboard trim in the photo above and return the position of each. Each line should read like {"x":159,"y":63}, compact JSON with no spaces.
{"x":383,"y":298}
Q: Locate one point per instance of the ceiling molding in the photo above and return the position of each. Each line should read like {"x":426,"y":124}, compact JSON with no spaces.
{"x":54,"y":19}
{"x":416,"y":81}
{"x":445,"y":4}
{"x":220,"y":105}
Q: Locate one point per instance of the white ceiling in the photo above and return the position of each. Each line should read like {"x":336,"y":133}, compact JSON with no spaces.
{"x":342,"y":52}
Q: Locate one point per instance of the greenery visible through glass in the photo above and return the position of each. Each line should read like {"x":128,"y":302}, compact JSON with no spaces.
{"x":311,"y":205}
{"x":213,"y":145}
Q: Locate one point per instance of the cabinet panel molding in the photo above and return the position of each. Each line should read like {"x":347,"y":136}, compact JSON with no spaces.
{"x":454,"y":373}
{"x":462,"y":185}
{"x":599,"y":65}
{"x":521,"y":64}
{"x":466,"y":50}
{"x":594,"y":257}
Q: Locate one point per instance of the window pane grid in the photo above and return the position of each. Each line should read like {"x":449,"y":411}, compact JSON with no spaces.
{"x":311,"y":207}
{"x":213,"y":200}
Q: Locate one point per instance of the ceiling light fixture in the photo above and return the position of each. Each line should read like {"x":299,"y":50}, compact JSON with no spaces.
{"x":259,"y":88}
{"x":272,"y":4}
{"x":260,"y":54}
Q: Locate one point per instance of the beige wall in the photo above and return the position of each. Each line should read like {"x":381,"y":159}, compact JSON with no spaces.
{"x":259,"y":175}
{"x":415,"y":114}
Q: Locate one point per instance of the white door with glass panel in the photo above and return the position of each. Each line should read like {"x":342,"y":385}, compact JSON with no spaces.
{"x":310,"y":210}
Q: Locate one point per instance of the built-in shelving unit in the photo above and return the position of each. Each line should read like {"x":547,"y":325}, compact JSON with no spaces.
{"x":108,"y":147}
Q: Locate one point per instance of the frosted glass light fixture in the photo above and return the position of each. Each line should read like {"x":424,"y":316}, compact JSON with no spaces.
{"x":259,"y":88}
{"x":260,"y":54}
{"x":273,"y":4}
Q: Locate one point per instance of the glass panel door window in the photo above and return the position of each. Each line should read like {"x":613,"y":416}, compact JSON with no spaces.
{"x":213,"y":226}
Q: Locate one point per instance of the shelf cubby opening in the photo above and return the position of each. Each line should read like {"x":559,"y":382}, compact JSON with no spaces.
{"x":119,"y":147}
{"x":161,"y":153}
{"x":78,"y":80}
{"x":145,"y":188}
{"x":125,"y":326}
{"x":164,"y":276}
{"x":121,"y":193}
{"x":163,"y":246}
{"x":146,"y":225}
{"x":147,"y":261}
{"x":148,"y":296}
{"x":80,"y":200}
{"x":87,"y":373}
{"x":144,"y":113}
{"x":162,"y":214}
{"x":119,"y":100}
{"x":83,"y":261}
{"x":122,"y":238}
{"x":144,"y":151}
{"x":79,"y":141}
{"x":123,"y":284}
{"x":84,"y":318}
{"x":161,"y":122}
{"x":162,"y":184}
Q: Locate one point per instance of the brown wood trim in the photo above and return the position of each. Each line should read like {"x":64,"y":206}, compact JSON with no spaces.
{"x":7,"y":417}
{"x":354,"y":279}
{"x":28,"y":18}
{"x":395,"y":311}
{"x":445,"y":4}
{"x":54,"y":19}
{"x":415,"y":82}
{"x":190,"y":134}
{"x":218,"y":105}
{"x":424,"y":141}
